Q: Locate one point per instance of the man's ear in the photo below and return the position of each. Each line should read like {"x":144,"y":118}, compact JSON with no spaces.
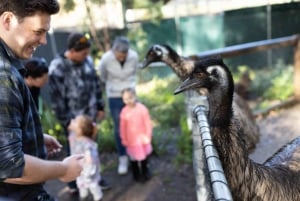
{"x":6,"y":19}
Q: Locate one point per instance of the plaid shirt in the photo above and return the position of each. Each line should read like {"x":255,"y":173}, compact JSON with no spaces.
{"x":74,"y":89}
{"x":20,"y":128}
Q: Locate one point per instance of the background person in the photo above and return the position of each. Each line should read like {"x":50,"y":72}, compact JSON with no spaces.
{"x":36,"y":76}
{"x":74,"y":86}
{"x":136,"y":134}
{"x":118,"y":69}
{"x":83,"y":132}
{"x":24,"y":147}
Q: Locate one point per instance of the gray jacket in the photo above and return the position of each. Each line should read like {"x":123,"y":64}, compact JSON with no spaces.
{"x":115,"y":76}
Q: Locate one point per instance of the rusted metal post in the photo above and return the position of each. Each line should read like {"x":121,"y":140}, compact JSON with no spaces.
{"x":297,"y":70}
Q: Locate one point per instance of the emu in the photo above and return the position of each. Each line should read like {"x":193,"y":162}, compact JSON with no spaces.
{"x":279,"y":178}
{"x":183,"y":67}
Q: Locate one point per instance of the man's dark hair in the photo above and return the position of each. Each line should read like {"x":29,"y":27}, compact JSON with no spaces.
{"x":36,"y":67}
{"x":25,"y":8}
{"x":78,"y":41}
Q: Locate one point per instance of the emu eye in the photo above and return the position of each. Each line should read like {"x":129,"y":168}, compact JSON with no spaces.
{"x":200,"y":75}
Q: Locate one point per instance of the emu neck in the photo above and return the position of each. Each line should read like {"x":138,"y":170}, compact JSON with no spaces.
{"x":220,"y":109}
{"x":231,"y":150}
{"x":180,"y":66}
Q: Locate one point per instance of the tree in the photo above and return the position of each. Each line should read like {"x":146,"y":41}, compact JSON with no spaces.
{"x":103,"y":45}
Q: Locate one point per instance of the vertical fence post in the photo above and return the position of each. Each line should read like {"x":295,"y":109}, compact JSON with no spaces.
{"x":297,"y":70}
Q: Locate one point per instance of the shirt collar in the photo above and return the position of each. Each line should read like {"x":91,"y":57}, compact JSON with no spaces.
{"x":17,"y":63}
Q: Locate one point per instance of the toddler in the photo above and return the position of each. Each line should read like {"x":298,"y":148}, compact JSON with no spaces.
{"x":136,"y":134}
{"x":82,"y":136}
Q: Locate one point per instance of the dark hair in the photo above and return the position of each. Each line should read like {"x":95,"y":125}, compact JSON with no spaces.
{"x":36,"y":67}
{"x":121,"y":44}
{"x":78,"y":41}
{"x":25,"y":8}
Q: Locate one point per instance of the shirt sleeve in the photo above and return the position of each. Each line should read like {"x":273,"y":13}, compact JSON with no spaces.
{"x":89,"y":168}
{"x":147,"y":122}
{"x":102,"y":70}
{"x":12,"y":109}
{"x":100,"y":101}
{"x":57,"y":91}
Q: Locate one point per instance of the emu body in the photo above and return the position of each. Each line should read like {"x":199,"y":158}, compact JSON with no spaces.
{"x":279,"y":178}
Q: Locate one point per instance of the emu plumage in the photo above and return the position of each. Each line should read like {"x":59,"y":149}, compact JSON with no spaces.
{"x":276,"y":180}
{"x":183,"y":67}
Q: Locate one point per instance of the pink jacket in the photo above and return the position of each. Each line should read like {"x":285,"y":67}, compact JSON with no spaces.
{"x":135,"y":125}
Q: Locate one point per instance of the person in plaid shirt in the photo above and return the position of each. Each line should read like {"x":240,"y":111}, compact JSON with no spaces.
{"x":23,"y":145}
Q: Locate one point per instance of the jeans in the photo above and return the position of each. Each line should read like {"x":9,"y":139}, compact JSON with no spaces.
{"x":115,"y":107}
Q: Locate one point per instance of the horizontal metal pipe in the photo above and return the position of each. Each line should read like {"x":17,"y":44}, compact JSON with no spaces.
{"x":246,"y":48}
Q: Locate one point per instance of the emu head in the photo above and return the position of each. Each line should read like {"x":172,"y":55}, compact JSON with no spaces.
{"x":159,"y":53}
{"x":211,"y":74}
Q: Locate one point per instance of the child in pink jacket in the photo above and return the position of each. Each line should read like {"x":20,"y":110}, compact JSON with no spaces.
{"x":136,"y":134}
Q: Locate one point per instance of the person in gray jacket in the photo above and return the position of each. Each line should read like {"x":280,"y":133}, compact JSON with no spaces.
{"x":118,"y":69}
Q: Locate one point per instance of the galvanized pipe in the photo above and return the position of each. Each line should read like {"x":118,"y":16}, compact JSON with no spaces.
{"x":218,"y":180}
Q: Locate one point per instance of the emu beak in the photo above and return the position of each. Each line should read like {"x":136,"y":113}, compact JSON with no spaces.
{"x":145,"y":63}
{"x":188,"y":84}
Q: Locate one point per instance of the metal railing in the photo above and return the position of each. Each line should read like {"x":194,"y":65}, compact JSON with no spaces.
{"x":210,"y":178}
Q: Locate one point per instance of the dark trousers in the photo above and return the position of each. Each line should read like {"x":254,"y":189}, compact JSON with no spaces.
{"x":140,"y":170}
{"x":14,"y":192}
{"x":115,"y":107}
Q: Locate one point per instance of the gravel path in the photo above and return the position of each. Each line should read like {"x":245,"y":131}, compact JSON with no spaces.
{"x":276,"y":130}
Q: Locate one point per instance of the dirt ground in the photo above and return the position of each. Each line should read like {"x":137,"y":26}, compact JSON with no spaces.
{"x":170,"y":183}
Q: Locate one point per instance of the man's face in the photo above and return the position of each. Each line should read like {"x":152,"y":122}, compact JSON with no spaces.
{"x":40,"y":81}
{"x":120,"y":56}
{"x":26,"y":35}
{"x":79,"y":56}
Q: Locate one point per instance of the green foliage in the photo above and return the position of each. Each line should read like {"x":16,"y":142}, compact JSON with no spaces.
{"x":69,"y":5}
{"x":184,"y":143}
{"x":162,"y":140}
{"x":281,"y":86}
{"x":166,"y":109}
{"x":105,"y":138}
{"x":138,"y":39}
{"x":273,"y":84}
{"x":51,"y":125}
{"x":240,"y":71}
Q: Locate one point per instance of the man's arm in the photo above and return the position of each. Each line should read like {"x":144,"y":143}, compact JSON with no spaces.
{"x":37,"y":170}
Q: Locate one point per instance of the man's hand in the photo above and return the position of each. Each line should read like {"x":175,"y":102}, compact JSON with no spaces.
{"x":73,"y":169}
{"x":52,"y":145}
{"x":100,"y":115}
